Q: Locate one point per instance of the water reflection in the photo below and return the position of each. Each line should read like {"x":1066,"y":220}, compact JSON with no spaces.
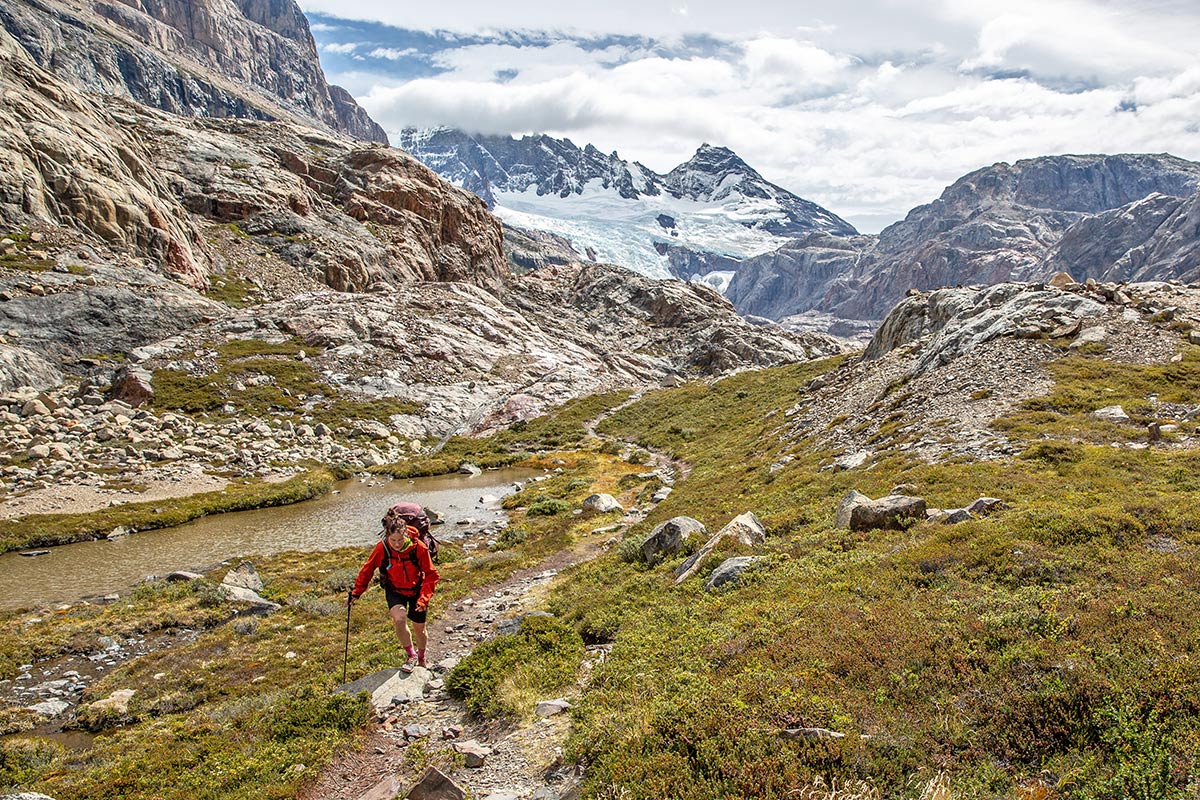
{"x":348,"y":517}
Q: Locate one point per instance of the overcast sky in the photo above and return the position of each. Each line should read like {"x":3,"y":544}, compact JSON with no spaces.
{"x":868,"y":108}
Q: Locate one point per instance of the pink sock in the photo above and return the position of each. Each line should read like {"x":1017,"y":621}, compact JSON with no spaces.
{"x":411,"y":652}
{"x":421,"y":656}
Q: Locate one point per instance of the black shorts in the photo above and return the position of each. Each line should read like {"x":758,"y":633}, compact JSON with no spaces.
{"x":409,"y":602}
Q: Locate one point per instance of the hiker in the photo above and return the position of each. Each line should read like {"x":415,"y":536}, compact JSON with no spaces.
{"x":407,"y":575}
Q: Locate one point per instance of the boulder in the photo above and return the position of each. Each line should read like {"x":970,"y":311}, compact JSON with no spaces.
{"x":860,"y":513}
{"x":467,"y":468}
{"x":244,"y":595}
{"x":987,"y":505}
{"x":1061,"y":280}
{"x":401,"y":687}
{"x":1094,"y":335}
{"x":245,"y":576}
{"x":183,"y":575}
{"x":746,"y":527}
{"x":132,"y":385}
{"x":475,"y":753}
{"x":669,"y":536}
{"x":117,"y":702}
{"x":730,"y":571}
{"x":434,"y":785}
{"x":602,"y":504}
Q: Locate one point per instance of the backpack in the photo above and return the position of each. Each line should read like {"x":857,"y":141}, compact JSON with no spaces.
{"x":413,"y":515}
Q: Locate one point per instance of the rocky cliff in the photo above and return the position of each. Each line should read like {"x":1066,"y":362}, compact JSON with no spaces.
{"x":996,"y":224}
{"x":205,"y":58}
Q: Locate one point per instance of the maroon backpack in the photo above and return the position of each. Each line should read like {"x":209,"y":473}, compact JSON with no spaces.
{"x":413,"y":515}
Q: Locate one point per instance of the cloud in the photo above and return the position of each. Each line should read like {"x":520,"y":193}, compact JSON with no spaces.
{"x":341,"y":48}
{"x":868,"y":119}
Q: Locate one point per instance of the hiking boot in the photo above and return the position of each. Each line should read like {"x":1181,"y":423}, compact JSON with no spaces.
{"x":410,"y":664}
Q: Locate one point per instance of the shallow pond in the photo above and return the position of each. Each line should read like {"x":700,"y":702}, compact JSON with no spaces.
{"x":349,"y":516}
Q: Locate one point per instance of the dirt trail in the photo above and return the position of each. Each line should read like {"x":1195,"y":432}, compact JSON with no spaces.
{"x":525,"y":760}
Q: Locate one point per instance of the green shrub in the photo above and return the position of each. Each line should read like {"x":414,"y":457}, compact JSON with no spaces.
{"x":22,"y":761}
{"x":506,"y":676}
{"x":630,"y":550}
{"x":548,"y":507}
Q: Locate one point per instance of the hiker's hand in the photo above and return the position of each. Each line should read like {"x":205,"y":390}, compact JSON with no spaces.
{"x":422,"y":606}
{"x":349,"y":600}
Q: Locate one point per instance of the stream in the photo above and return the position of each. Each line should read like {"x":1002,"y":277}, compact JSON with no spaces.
{"x":348,"y":516}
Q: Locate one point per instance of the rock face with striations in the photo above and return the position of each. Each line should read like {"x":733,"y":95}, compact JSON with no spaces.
{"x":210,"y":58}
{"x":66,"y":159}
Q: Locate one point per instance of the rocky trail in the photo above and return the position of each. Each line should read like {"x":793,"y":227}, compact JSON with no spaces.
{"x":425,"y":726}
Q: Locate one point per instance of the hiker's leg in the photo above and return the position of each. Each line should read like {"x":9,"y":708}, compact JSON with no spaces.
{"x":418,"y":635}
{"x":400,"y":623}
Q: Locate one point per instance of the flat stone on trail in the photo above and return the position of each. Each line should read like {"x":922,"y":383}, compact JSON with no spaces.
{"x":367,"y":683}
{"x":432,"y":785}
{"x":401,"y":688}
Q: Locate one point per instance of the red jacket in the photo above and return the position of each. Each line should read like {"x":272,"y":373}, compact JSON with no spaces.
{"x":403,"y":574}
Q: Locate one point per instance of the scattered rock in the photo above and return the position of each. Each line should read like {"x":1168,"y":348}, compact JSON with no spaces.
{"x":467,"y":468}
{"x":548,"y":708}
{"x":245,"y":576}
{"x":183,"y":575}
{"x":602,"y":504}
{"x":730,"y":571}
{"x":669,"y":536}
{"x":434,"y":785}
{"x":34,"y":553}
{"x":475,"y":753}
{"x":860,"y":513}
{"x":1111,"y":414}
{"x":1096,"y":335}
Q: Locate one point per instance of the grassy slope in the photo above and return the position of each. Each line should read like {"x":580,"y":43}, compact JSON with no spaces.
{"x":1046,"y":649}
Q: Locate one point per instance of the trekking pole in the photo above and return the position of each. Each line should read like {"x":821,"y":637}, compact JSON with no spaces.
{"x":346,"y":654}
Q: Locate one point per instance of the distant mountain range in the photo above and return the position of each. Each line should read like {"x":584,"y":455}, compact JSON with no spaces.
{"x":704,"y":216}
{"x":776,"y":255}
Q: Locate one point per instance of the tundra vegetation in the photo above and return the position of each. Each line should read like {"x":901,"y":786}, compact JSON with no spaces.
{"x":1048,"y":650}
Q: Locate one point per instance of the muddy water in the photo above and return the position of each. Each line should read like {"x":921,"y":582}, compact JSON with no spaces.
{"x":348,"y":517}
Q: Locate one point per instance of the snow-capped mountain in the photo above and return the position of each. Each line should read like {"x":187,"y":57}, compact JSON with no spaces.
{"x":700,"y":219}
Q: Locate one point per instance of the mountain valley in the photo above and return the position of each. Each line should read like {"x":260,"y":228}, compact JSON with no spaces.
{"x":803,"y":512}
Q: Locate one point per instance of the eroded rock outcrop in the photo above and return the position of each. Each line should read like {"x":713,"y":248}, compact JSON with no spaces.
{"x":65,"y":159}
{"x":203,"y":58}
